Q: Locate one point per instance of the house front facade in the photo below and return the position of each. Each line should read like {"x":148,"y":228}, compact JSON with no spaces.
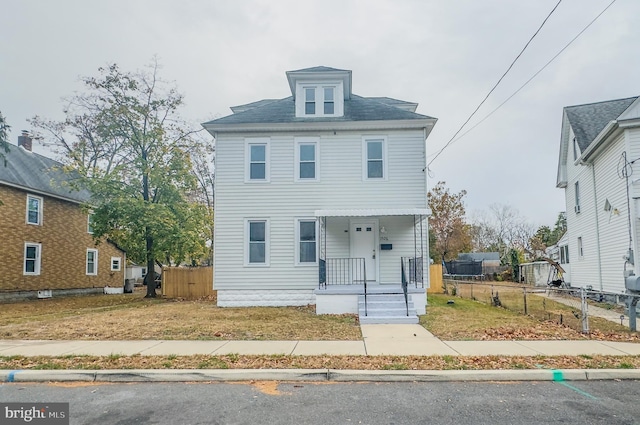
{"x":599,"y":171}
{"x":47,"y":245}
{"x":318,"y":189}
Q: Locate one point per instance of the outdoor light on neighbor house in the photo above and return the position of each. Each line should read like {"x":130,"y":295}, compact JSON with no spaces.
{"x":607,"y":205}
{"x":383,"y":230}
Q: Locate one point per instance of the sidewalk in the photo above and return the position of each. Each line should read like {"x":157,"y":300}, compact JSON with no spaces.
{"x":400,"y":340}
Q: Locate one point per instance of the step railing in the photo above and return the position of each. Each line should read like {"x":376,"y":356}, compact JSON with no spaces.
{"x":343,"y":271}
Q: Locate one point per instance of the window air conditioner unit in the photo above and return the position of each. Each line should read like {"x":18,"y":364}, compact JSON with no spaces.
{"x":577,"y":208}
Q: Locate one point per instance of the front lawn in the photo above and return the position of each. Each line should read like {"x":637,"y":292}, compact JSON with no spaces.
{"x":132,"y":317}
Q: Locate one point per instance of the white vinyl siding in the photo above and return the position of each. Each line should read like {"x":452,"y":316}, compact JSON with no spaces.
{"x":612,"y":224}
{"x":341,"y":186}
{"x":92,"y":262}
{"x":32,"y":258}
{"x":34,"y":210}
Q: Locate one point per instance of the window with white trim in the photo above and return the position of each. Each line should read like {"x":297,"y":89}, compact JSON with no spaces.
{"x":34,"y":210}
{"x":90,"y":222}
{"x":116,"y":264}
{"x":374,"y":161}
{"x":315,"y":99}
{"x":307,"y":159}
{"x":306,"y":241}
{"x":257,"y":242}
{"x":92,"y":262}
{"x":580,"y":249}
{"x":32,"y":258}
{"x":577,"y":197}
{"x":257,"y":160}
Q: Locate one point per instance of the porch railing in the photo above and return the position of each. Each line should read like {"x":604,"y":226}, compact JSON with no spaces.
{"x":404,"y":284}
{"x":414,"y":271}
{"x":343,"y":271}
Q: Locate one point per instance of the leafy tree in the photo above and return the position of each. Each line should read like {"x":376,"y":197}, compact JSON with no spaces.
{"x":447,"y":223}
{"x":125,"y":139}
{"x":4,"y":141}
{"x":545,"y":237}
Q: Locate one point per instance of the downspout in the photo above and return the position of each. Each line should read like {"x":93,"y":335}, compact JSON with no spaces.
{"x":595,"y":197}
{"x":426,"y":218}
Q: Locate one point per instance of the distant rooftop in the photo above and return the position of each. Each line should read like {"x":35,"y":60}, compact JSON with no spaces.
{"x":38,"y":174}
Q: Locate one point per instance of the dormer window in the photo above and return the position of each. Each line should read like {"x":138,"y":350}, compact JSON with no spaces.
{"x":320,"y":100}
{"x":310,"y":101}
{"x":329,"y":95}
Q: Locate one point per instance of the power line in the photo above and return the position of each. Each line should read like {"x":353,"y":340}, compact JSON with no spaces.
{"x":534,"y":75}
{"x":500,"y":80}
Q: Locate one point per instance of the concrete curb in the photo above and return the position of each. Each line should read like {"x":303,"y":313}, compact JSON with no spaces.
{"x":222,"y":375}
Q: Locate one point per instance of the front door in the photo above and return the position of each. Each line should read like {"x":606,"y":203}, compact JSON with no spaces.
{"x":363,"y":244}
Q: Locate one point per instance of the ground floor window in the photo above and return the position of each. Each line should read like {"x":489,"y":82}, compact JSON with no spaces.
{"x":116,"y":264}
{"x":92,"y":262}
{"x":32,"y":255}
{"x":306,"y":236}
{"x":257,"y":247}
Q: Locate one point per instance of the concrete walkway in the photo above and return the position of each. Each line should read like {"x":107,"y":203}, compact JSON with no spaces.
{"x":400,"y":340}
{"x":610,"y":315}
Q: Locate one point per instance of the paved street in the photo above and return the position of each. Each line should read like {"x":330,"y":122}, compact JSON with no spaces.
{"x":598,"y":402}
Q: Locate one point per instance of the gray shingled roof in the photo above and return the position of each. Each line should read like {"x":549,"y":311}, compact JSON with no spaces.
{"x":320,"y":69}
{"x":37,"y":173}
{"x":283,"y":111}
{"x":587,"y":121}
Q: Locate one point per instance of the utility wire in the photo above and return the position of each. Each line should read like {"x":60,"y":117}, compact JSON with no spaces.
{"x":534,"y":75}
{"x":499,"y":81}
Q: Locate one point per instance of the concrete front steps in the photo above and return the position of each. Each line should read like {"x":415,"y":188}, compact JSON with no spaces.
{"x":386,"y":309}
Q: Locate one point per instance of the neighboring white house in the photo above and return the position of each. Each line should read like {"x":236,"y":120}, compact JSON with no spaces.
{"x":599,"y":171}
{"x":308,"y":184}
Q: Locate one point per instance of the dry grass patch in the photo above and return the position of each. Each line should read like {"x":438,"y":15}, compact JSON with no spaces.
{"x":467,"y":319}
{"x":132,"y":317}
{"x":233,"y":361}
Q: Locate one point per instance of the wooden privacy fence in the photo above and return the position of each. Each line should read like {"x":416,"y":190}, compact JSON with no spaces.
{"x":187,"y":282}
{"x":435,"y":279}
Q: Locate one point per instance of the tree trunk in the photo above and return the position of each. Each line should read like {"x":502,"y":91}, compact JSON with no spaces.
{"x":151,"y":274}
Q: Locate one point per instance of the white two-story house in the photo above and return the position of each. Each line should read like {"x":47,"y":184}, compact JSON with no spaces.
{"x":599,"y":171}
{"x":320,"y":195}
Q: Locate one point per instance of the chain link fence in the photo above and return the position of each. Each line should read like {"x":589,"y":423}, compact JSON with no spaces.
{"x":568,"y":307}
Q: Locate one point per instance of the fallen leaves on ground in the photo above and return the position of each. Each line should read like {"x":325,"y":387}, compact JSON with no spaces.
{"x":234,"y":361}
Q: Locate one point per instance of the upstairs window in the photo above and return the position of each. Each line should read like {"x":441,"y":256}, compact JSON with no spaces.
{"x":306,"y":159}
{"x":577,"y":197}
{"x":257,"y":160}
{"x":90,"y":222}
{"x":34,"y":210}
{"x":374,"y":162}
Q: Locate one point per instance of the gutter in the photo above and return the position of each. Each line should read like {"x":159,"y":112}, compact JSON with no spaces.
{"x":320,"y":126}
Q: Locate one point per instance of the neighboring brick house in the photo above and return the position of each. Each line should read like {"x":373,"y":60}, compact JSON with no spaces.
{"x":47,"y":243}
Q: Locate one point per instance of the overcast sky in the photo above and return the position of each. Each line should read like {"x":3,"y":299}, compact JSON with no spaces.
{"x":444,"y":55}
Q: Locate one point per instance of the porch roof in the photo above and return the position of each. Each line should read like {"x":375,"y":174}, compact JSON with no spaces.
{"x":372,"y":212}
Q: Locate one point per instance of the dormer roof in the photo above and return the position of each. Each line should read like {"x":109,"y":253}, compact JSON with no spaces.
{"x":320,"y":73}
